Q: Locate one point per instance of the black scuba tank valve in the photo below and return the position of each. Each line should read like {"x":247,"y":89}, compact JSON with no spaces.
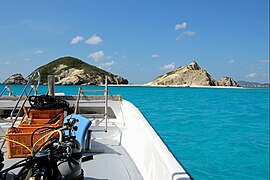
{"x":70,"y":167}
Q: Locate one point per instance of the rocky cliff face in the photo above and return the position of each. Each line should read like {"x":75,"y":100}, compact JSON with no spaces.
{"x":65,"y":76}
{"x":70,"y":70}
{"x":227,"y":81}
{"x":79,"y":76}
{"x":15,"y":79}
{"x":191,"y":75}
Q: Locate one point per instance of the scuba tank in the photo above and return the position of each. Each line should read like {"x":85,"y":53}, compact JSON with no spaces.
{"x":70,"y":166}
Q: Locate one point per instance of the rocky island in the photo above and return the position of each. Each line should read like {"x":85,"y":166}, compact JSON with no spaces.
{"x":71,"y":71}
{"x":191,"y":75}
{"x":15,"y":79}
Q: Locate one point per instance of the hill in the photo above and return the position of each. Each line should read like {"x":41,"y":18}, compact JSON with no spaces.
{"x":70,"y":70}
{"x":191,"y":75}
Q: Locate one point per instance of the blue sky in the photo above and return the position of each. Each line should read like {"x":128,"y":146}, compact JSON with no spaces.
{"x":138,"y":39}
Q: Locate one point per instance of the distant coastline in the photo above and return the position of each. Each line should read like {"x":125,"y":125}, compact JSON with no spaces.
{"x":72,"y":71}
{"x":173,"y":86}
{"x":257,"y":85}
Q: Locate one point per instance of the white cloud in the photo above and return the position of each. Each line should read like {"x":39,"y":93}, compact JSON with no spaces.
{"x":97,"y":56}
{"x":189,"y":33}
{"x":155,"y":56}
{"x":263,"y":61}
{"x":231,"y":61}
{"x":186,"y":33}
{"x":107,"y":65}
{"x":76,"y":40}
{"x":7,"y":62}
{"x":168,"y":67}
{"x":259,"y":76}
{"x":94,"y":40}
{"x":181,"y":26}
{"x":38,"y":52}
{"x":251,"y":75}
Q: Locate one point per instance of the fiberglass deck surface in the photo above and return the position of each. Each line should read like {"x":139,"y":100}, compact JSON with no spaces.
{"x":108,"y":160}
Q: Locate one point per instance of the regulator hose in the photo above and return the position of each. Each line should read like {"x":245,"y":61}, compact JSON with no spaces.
{"x":46,"y":102}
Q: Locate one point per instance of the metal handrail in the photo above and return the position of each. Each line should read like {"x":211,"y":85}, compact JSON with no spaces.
{"x":78,"y":100}
{"x":7,"y":88}
{"x":27,"y":95}
{"x":81,"y":92}
{"x":106,"y":104}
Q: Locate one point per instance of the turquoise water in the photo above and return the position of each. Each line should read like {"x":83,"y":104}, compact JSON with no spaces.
{"x":214,"y":133}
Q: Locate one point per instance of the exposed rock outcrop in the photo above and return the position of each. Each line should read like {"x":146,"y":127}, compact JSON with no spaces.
{"x":191,"y":75}
{"x":69,"y":70}
{"x":227,"y":81}
{"x":71,"y":76}
{"x":15,"y":79}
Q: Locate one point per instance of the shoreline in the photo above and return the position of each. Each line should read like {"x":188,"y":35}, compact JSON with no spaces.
{"x":154,"y":86}
{"x":173,"y":86}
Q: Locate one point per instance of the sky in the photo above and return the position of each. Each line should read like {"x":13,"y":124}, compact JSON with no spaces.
{"x":138,"y":39}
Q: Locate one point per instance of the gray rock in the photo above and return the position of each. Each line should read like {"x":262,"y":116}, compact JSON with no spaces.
{"x":191,"y":75}
{"x":15,"y":79}
{"x":78,"y":76}
{"x":227,"y":81}
{"x":120,"y":80}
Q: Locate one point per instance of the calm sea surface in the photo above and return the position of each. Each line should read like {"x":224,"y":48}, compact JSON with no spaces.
{"x":214,"y":133}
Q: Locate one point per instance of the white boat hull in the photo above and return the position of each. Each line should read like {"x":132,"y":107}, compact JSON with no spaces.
{"x":130,"y":149}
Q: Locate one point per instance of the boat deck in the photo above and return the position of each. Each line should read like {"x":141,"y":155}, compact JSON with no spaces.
{"x":129,"y":149}
{"x":107,"y":160}
{"x":110,"y":161}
